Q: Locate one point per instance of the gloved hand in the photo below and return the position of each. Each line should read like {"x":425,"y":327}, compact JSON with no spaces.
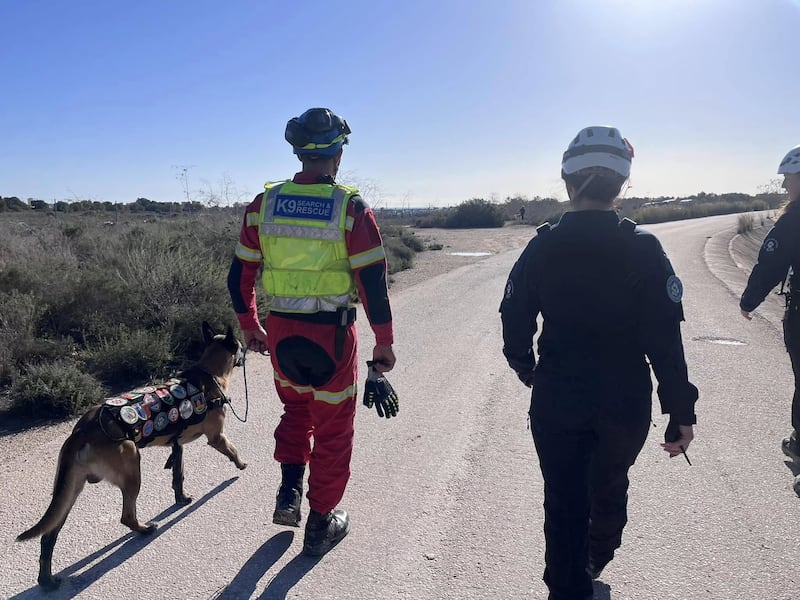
{"x":526,"y":377}
{"x":380,"y":393}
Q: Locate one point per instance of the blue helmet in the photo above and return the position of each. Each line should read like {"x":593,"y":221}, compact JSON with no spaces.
{"x":317,"y":132}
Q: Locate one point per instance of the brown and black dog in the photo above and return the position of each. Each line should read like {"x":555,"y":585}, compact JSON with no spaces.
{"x":105,"y":442}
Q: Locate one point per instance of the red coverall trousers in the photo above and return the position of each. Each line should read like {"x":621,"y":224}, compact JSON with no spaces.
{"x":318,"y":392}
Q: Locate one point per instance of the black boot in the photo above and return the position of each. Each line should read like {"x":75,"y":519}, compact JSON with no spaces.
{"x":791,"y":448}
{"x":324,"y":531}
{"x":290,"y":495}
{"x":597,"y":564}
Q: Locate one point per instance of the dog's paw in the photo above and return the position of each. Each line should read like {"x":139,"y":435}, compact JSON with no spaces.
{"x":241,"y":466}
{"x":149,"y":527}
{"x":183,"y":499}
{"x":49,"y":582}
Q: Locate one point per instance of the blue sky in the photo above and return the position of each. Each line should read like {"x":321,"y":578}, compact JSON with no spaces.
{"x":447,"y":100}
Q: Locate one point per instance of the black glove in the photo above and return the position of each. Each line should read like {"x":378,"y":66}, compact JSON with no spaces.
{"x":672,"y":433}
{"x":379,"y":392}
{"x":526,"y":377}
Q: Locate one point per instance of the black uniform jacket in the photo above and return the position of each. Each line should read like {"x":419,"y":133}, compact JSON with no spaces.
{"x":608,"y":297}
{"x":779,"y":251}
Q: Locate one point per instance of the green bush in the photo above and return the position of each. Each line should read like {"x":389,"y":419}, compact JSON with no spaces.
{"x":129,"y":358}
{"x":56,"y":389}
{"x":476,"y":213}
{"x":412,"y":241}
{"x":398,"y":255}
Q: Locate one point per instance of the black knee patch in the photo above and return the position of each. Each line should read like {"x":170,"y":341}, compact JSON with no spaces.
{"x":304,"y":362}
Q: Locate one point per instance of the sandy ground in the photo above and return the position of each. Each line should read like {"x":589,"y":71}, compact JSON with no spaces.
{"x":484,"y":242}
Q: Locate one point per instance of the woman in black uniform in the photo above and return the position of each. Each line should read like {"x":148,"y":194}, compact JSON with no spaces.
{"x":608,"y":297}
{"x":780,"y":256}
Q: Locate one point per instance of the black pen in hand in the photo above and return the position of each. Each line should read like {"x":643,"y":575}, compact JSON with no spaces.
{"x":686,"y":456}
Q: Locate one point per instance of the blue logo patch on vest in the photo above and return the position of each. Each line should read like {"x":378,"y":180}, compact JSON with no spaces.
{"x":303,"y":207}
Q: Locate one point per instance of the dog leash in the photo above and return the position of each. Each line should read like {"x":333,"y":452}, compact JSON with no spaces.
{"x":246,"y":395}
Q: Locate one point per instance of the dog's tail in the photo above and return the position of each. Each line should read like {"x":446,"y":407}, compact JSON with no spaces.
{"x":68,"y":484}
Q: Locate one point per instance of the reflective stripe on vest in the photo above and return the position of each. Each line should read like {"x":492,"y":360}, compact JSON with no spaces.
{"x":302,"y":237}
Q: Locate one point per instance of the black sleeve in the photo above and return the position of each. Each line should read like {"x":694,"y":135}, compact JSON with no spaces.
{"x":234,"y":286}
{"x":660,"y":329}
{"x":376,"y":303}
{"x":518,"y":311}
{"x":774,"y":259}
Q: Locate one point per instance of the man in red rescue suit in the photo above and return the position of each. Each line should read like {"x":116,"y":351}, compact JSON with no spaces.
{"x":321,"y":250}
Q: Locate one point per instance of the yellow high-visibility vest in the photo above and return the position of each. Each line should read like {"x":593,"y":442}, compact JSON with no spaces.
{"x":302,"y":235}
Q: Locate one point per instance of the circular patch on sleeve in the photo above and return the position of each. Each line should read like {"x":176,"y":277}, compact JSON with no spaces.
{"x":770,"y":245}
{"x":674,"y":288}
{"x":116,"y":401}
{"x":186,"y":409}
{"x":162,"y":420}
{"x":128,"y":414}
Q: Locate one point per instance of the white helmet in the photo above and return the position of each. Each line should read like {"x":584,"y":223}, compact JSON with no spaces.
{"x":598,"y":146}
{"x":790,"y":162}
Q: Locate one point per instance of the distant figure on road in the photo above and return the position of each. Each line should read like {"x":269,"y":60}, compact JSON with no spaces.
{"x":608,"y":298}
{"x":778,"y":258}
{"x":320,"y":249}
{"x":521,"y":214}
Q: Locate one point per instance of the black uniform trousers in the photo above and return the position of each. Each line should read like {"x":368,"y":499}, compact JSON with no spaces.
{"x":791,"y":336}
{"x":587,"y":438}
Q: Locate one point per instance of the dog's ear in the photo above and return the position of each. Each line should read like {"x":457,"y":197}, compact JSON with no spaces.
{"x":229,"y":337}
{"x":208,"y":333}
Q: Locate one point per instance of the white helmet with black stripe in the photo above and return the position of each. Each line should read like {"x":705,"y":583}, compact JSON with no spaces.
{"x":598,"y":146}
{"x":791,"y":162}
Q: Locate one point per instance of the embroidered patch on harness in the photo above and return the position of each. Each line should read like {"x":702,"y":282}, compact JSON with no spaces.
{"x":674,"y":289}
{"x":116,"y":401}
{"x":165,"y":396}
{"x":186,"y":409}
{"x":199,"y":402}
{"x":770,"y":245}
{"x":173,"y":415}
{"x":128,"y":414}
{"x":178,"y":391}
{"x":509,"y":290}
{"x":162,"y":420}
{"x":147,"y":429}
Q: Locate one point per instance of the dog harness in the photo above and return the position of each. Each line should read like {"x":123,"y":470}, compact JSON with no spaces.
{"x":155,"y":411}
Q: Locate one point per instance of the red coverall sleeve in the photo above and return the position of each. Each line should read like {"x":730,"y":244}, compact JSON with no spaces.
{"x":368,"y":261}
{"x":242,"y":277}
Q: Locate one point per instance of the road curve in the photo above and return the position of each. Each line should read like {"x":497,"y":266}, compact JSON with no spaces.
{"x":445,"y":500}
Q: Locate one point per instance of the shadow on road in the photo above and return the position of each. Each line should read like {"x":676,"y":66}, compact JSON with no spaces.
{"x":244,"y":584}
{"x":126,"y":546}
